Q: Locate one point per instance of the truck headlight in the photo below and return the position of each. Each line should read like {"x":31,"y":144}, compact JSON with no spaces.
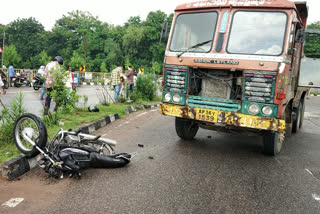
{"x":253,"y":109}
{"x":167,"y":97}
{"x":267,"y":110}
{"x":176,"y":98}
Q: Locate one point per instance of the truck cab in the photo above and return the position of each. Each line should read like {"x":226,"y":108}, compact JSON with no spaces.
{"x":234,"y":66}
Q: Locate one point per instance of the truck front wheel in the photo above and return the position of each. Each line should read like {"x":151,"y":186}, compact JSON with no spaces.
{"x":186,"y":129}
{"x":272,"y":143}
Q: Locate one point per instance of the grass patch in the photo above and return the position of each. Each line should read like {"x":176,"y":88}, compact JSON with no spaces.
{"x":8,"y":151}
{"x":74,"y":120}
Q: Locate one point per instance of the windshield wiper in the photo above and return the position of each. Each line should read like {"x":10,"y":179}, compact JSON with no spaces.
{"x":195,"y":46}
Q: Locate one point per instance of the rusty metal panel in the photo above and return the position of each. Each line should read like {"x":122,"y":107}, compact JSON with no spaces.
{"x":228,"y":118}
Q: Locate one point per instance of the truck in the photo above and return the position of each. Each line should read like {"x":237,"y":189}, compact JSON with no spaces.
{"x":234,"y":66}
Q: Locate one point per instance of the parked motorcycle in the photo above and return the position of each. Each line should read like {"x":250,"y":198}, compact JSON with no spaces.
{"x":68,"y":152}
{"x":19,"y":80}
{"x":4,"y":80}
{"x":38,"y":82}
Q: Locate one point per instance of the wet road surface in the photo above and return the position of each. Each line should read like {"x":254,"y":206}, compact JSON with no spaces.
{"x":215,"y":173}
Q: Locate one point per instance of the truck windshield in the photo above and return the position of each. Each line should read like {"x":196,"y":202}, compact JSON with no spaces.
{"x":258,"y":33}
{"x":192,"y":29}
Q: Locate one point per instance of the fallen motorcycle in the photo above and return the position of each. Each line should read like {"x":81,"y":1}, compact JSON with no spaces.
{"x":68,"y":152}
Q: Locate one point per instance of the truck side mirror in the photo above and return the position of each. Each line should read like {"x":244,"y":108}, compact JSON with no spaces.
{"x":300,"y":36}
{"x":164,"y":31}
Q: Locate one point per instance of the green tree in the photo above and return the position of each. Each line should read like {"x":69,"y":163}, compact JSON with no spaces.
{"x":103,"y":67}
{"x":314,"y":26}
{"x":28,"y":37}
{"x":76,"y":60}
{"x":11,"y":56}
{"x":40,"y":59}
{"x":132,"y":41}
{"x":312,"y":43}
{"x":113,"y":53}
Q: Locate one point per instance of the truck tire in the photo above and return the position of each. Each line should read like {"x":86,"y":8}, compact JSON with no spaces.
{"x":302,"y":115}
{"x":297,"y":121}
{"x":272,"y":143}
{"x":186,"y":129}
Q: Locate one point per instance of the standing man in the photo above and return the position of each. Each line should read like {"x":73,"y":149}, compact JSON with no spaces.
{"x":130,"y":73}
{"x":11,"y":73}
{"x":50,"y":69}
{"x":116,"y":74}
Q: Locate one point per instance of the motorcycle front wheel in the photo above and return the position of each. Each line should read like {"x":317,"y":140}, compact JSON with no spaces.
{"x":32,"y":127}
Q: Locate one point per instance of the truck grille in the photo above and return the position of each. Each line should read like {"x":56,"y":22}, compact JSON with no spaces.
{"x":259,"y":87}
{"x":176,"y":79}
{"x":213,"y":103}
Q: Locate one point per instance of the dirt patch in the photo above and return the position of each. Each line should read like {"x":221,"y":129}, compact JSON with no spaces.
{"x":36,"y":187}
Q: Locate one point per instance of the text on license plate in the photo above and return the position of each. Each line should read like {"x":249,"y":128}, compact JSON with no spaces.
{"x":206,"y":115}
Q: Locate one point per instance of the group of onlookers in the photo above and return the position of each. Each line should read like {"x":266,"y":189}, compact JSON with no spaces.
{"x":118,"y":78}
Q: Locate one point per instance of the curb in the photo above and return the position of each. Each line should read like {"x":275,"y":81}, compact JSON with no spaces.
{"x":14,"y":168}
{"x":131,"y":109}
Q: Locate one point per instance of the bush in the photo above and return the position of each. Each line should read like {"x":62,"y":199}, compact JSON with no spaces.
{"x":8,"y":117}
{"x":63,"y":96}
{"x":145,"y":88}
{"x":52,"y":118}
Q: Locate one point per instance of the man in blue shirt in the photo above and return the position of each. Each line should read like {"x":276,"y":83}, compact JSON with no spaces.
{"x":11,"y":73}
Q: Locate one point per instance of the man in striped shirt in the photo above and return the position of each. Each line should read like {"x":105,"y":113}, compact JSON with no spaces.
{"x":116,"y":75}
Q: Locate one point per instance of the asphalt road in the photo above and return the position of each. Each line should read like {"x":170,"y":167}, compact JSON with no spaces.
{"x":215,"y":173}
{"x":33,"y":104}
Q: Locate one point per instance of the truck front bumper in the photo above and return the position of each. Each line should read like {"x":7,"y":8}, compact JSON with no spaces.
{"x":228,"y":118}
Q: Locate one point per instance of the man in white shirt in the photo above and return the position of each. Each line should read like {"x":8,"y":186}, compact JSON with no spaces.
{"x":48,"y":72}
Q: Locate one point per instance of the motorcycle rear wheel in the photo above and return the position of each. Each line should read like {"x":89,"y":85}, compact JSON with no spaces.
{"x":35,"y":129}
{"x":17,"y":84}
{"x":103,"y":149}
{"x":36,"y":87}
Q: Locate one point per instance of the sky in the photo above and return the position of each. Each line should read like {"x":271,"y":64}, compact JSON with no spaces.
{"x":113,"y":12}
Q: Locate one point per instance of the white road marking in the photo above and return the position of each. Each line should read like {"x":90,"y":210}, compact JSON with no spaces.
{"x":309,"y":172}
{"x":142,"y":114}
{"x":13,"y":202}
{"x":316,"y":197}
{"x":155,"y":110}
{"x":9,"y":92}
{"x":311,"y":115}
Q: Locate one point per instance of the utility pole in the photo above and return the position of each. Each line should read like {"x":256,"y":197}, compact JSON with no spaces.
{"x":85,"y":51}
{"x":4,"y":36}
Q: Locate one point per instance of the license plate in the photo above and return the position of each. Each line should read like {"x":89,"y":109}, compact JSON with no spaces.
{"x":206,"y":115}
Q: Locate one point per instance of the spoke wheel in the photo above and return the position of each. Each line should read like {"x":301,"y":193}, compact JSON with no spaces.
{"x":104,"y":149}
{"x":32,"y":127}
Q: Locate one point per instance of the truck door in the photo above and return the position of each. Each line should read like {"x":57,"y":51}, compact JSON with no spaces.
{"x":310,"y":63}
